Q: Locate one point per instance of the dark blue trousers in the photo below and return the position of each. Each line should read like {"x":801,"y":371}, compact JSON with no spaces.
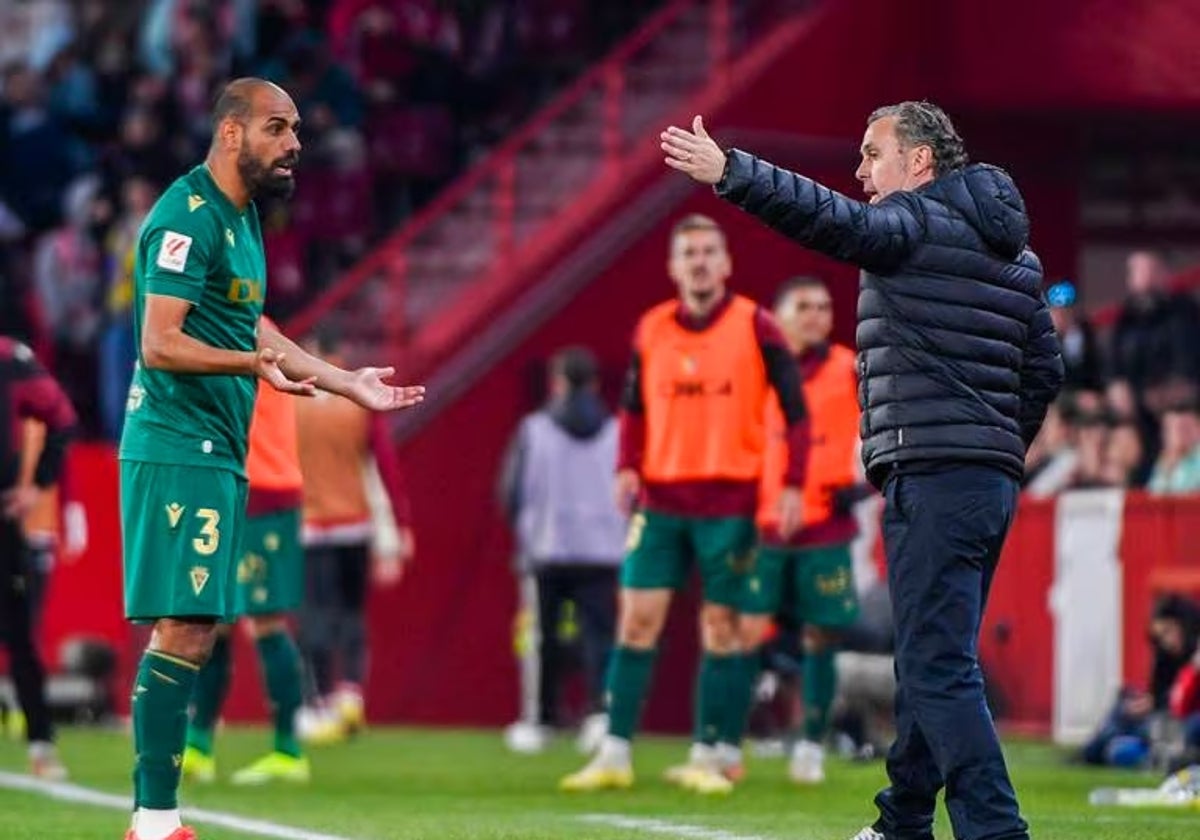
{"x":943,"y":530}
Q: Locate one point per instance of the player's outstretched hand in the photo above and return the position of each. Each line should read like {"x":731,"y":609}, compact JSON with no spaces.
{"x":266,"y":366}
{"x":368,"y":389}
{"x":693,"y":152}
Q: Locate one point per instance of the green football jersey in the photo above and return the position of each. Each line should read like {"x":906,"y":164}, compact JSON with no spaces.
{"x":195,"y":245}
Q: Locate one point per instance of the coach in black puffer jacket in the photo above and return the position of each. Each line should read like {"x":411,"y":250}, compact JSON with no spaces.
{"x":958,"y":361}
{"x":957,"y":356}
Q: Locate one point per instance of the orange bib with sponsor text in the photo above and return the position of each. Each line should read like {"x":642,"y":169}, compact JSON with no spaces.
{"x":831,"y":396}
{"x":704,"y":393}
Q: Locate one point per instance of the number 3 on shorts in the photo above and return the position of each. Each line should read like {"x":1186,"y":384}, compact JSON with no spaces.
{"x":210,"y":537}
{"x":634,"y":538}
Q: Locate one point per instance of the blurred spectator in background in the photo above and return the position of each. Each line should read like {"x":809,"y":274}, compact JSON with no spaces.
{"x":1080,"y":351}
{"x":1124,"y":737}
{"x":1089,"y":419}
{"x":69,"y":281}
{"x":1052,"y":458}
{"x":39,"y":159}
{"x":1155,"y":346}
{"x":117,"y":351}
{"x":555,"y":490}
{"x":1177,"y":469}
{"x":1124,"y":461}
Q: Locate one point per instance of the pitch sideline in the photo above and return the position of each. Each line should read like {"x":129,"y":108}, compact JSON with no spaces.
{"x":68,"y":792}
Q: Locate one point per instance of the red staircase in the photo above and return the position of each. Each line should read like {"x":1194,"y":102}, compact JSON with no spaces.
{"x":451,"y":269}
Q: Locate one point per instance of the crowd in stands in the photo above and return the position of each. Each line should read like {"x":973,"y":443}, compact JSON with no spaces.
{"x":1129,"y":415}
{"x":102,"y":104}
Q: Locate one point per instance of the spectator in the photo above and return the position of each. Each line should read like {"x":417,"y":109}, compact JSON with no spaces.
{"x":555,"y":491}
{"x":1123,"y":454}
{"x":68,"y":281}
{"x":1155,"y":346}
{"x":1177,"y":469}
{"x":117,"y":351}
{"x":39,"y":158}
{"x":1081,"y":354}
{"x":1089,"y":418}
{"x":1124,"y":736}
{"x":1052,"y":458}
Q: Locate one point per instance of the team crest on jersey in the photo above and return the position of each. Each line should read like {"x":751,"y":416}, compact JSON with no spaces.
{"x":174,"y":512}
{"x":195,"y":202}
{"x":173,"y":252}
{"x":199,"y":576}
{"x":271,"y":542}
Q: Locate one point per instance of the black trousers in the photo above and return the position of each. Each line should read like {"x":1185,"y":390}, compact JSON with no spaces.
{"x":943,"y":532}
{"x":16,"y":630}
{"x":333,"y":628}
{"x":593,"y":590}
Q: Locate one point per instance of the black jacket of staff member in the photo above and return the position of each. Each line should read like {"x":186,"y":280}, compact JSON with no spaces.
{"x":957,"y":355}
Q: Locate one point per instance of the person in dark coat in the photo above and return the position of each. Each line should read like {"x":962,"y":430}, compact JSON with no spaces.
{"x":957,"y":363}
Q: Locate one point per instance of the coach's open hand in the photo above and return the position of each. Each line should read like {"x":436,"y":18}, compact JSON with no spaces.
{"x":368,"y":389}
{"x":694,"y":152}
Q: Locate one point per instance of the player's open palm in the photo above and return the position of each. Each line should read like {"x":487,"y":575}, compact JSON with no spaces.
{"x":368,"y":389}
{"x":266,"y":366}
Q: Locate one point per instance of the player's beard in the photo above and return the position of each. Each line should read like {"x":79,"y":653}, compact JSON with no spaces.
{"x":260,"y":178}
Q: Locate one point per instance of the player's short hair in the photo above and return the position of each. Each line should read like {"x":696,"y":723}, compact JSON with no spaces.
{"x":795,"y":284}
{"x":233,"y":102}
{"x":693,"y":222}
{"x":925,"y":124}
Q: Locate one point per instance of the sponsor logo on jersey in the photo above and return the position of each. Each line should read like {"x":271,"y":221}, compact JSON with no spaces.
{"x":195,"y":202}
{"x":229,"y":237}
{"x":173,"y":252}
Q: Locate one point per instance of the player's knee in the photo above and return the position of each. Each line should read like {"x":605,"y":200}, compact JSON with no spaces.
{"x":719,"y":629}
{"x":639,"y":626}
{"x":190,"y":639}
{"x":752,"y":631}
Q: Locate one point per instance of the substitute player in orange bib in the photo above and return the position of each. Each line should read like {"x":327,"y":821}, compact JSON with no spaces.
{"x":811,"y":572}
{"x":693,"y":436}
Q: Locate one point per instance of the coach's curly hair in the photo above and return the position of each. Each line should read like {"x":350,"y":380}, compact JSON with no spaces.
{"x":925,"y":124}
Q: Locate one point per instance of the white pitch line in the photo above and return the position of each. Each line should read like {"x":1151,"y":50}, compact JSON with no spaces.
{"x":87,"y":796}
{"x":653,"y":826}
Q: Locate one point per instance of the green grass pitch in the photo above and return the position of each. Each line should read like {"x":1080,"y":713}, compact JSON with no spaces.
{"x":450,"y":785}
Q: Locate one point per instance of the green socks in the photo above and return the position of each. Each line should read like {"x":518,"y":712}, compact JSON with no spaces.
{"x":716,"y":684}
{"x":161,"y":693}
{"x":212,"y":685}
{"x":820,"y":683}
{"x":741,"y":697}
{"x":281,"y":673}
{"x":628,"y":678}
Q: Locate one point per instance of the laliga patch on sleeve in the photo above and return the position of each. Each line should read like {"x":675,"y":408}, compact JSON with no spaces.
{"x":172,"y":253}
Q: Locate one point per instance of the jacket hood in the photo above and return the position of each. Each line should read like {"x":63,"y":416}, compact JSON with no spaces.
{"x":989,"y":200}
{"x":581,"y":414}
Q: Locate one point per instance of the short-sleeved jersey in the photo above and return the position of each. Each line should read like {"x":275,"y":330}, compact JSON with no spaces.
{"x":197,"y":246}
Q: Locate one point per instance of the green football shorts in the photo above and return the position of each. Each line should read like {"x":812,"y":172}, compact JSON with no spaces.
{"x":181,"y":529}
{"x":661,"y":549}
{"x":270,"y":572}
{"x":820,"y":579}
